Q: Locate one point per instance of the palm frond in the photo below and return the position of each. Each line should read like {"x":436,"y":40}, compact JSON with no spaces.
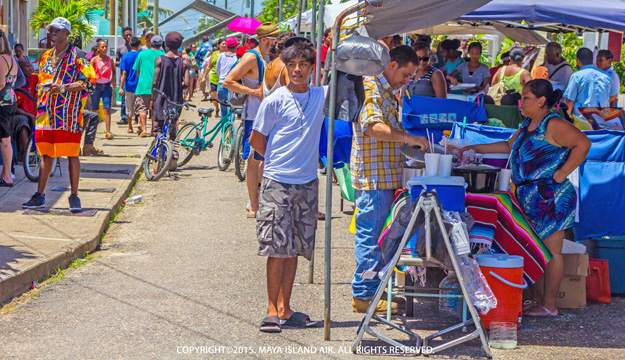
{"x":79,"y":14}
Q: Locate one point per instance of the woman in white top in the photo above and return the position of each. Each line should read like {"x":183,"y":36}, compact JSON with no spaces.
{"x":275,"y":75}
{"x":225,"y":62}
{"x":472,"y":72}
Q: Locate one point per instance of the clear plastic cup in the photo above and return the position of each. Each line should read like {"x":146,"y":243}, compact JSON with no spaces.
{"x":444,"y":168}
{"x":504,"y":180}
{"x":432,"y":162}
{"x":502,"y":335}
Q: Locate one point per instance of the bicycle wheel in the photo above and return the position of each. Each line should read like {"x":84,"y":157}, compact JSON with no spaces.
{"x":185,"y":147}
{"x":240,"y":164}
{"x":224,"y":153}
{"x":32,"y":162}
{"x":156,"y":165}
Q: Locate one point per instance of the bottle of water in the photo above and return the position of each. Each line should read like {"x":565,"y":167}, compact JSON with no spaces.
{"x":137,"y":199}
{"x":450,"y":306}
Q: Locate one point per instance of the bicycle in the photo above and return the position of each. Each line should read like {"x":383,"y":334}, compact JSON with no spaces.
{"x":191,"y":138}
{"x":32,"y":161}
{"x":240,"y":164}
{"x":161,"y":152}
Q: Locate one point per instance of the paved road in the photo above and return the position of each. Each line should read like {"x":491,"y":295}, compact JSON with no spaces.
{"x":180,"y":274}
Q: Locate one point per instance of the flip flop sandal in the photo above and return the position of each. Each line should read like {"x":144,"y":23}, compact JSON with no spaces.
{"x":144,"y":134}
{"x":130,"y":131}
{"x":528,"y":305}
{"x":271,"y":324}
{"x":299,"y":321}
{"x":3,"y":183}
{"x":550,"y":313}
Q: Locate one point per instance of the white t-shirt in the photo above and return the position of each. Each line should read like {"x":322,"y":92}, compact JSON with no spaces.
{"x":224,"y":64}
{"x":293,"y":145}
{"x":562,"y":76}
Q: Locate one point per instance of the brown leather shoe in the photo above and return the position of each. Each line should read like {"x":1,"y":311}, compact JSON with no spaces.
{"x":91,"y":150}
{"x":360,"y":306}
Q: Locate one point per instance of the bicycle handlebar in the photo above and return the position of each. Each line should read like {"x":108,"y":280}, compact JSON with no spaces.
{"x":224,"y":103}
{"x":185,"y":104}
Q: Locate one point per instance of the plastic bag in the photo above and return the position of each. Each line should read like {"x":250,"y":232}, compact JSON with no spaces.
{"x":364,"y":56}
{"x":477,"y":287}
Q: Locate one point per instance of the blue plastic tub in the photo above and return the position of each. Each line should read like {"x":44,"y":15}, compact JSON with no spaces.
{"x":613,"y":250}
{"x":450,"y":191}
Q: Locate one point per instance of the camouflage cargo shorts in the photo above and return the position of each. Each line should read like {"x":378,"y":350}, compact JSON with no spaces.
{"x":286,"y":220}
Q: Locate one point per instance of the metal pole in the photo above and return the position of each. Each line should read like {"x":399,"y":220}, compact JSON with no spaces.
{"x":252,"y":9}
{"x":106,"y":9}
{"x":298,"y":27}
{"x":330,"y":166}
{"x":113,"y":7}
{"x":279,"y":10}
{"x":313,"y":26}
{"x":125,"y":14}
{"x":319,"y":43}
{"x":155,"y":17}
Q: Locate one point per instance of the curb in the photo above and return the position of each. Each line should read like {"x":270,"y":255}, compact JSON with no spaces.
{"x":19,"y":284}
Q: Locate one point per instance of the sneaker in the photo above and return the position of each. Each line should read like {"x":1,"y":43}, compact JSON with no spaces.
{"x":36,"y":201}
{"x":74,"y":203}
{"x":361,"y":306}
{"x":123,"y":122}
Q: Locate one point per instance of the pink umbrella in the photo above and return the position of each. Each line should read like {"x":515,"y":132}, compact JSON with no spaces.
{"x":244,"y":25}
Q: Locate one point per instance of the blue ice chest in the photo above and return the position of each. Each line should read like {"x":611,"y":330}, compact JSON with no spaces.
{"x":613,"y":249}
{"x":450,"y":191}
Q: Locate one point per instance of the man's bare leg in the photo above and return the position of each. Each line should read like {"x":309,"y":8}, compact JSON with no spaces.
{"x":74,"y":172}
{"x":286,"y":288}
{"x":275,"y":270}
{"x":252,"y":179}
{"x":45,"y":170}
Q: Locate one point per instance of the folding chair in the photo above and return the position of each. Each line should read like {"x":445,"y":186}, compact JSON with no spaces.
{"x":427,"y":202}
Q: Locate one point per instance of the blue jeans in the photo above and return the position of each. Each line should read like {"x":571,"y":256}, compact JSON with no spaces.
{"x":222,"y":94}
{"x":104,"y":92}
{"x":373,"y":207}
{"x":124,"y":116}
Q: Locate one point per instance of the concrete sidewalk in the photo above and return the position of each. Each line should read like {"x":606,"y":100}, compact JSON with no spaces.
{"x":33,"y":246}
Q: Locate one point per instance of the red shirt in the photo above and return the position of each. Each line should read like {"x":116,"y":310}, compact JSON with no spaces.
{"x":324,"y":52}
{"x":23,"y":101}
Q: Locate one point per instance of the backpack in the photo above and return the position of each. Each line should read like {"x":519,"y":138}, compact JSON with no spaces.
{"x":237,"y":99}
{"x":499,"y":89}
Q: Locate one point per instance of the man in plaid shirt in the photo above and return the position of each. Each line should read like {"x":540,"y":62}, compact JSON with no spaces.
{"x":375,"y":169}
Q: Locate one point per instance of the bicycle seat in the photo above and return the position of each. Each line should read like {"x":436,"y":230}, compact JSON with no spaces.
{"x":237,"y":111}
{"x":205,"y":111}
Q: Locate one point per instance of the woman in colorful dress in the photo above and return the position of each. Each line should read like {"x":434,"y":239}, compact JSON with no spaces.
{"x":8,"y":100}
{"x":544,"y":152}
{"x":65,"y":81}
{"x":105,"y":82}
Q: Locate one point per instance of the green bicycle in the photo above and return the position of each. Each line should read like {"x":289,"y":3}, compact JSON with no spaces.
{"x":191,"y":139}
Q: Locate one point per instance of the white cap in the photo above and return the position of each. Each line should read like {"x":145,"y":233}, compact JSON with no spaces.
{"x":60,"y":23}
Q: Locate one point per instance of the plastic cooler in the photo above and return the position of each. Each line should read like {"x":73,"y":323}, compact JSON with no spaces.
{"x":450,"y":191}
{"x":613,"y":250}
{"x":504,"y":274}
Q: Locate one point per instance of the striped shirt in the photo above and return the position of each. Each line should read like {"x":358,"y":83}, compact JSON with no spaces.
{"x":375,"y":164}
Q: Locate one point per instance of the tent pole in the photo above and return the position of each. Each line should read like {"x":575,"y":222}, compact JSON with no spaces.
{"x":313,"y":26}
{"x":279,"y":11}
{"x":330,"y":165}
{"x":155,"y":22}
{"x":320,"y":28}
{"x":298,"y":27}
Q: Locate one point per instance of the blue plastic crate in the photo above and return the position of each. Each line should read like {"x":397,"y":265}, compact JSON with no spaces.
{"x":613,"y":249}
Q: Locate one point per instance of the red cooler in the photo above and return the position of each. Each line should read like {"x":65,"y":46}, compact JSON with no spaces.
{"x":504,"y":274}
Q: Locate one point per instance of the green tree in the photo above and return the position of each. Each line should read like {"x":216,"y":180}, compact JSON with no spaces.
{"x":142,"y":6}
{"x":79,"y":13}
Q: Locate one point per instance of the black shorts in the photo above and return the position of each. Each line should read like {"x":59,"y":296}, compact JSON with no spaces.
{"x":213,"y":87}
{"x":6,"y":120}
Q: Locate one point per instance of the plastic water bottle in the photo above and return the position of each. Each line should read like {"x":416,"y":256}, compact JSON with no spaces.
{"x":137,"y":199}
{"x":450,"y":306}
{"x":502,"y":335}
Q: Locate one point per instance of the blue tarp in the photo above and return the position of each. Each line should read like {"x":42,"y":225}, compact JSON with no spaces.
{"x":602,"y":14}
{"x":343,"y":134}
{"x":437,"y":115}
{"x":601,"y":178}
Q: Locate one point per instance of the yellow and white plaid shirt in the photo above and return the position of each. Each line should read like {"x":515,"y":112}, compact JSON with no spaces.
{"x":375,"y":164}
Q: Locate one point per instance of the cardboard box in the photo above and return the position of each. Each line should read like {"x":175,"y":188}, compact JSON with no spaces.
{"x":572,"y":292}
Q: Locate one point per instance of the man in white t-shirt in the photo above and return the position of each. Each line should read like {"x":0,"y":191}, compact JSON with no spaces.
{"x":558,"y":68}
{"x":286,"y":132}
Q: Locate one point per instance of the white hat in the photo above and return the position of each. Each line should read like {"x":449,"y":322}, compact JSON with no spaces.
{"x":60,"y":23}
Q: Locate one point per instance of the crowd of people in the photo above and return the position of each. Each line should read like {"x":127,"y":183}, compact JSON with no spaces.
{"x":282,"y":118}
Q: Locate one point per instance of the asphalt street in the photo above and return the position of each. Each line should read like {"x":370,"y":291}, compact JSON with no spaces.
{"x":177,"y":277}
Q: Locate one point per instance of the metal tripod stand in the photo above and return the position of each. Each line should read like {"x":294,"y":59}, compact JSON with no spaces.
{"x":427,"y":202}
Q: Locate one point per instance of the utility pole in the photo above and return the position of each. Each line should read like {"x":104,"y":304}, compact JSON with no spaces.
{"x":125,"y":14}
{"x":279,"y":10}
{"x":226,"y":4}
{"x":252,"y":9}
{"x":106,"y":9}
{"x":155,"y":21}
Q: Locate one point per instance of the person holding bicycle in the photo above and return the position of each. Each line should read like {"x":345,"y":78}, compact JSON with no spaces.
{"x":286,"y":132}
{"x":171,"y":78}
{"x":250,"y":71}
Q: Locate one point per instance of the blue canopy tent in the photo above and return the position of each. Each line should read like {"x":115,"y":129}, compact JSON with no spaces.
{"x":553,"y":15}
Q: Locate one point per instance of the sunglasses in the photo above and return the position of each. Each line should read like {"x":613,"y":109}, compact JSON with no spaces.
{"x":425,"y":58}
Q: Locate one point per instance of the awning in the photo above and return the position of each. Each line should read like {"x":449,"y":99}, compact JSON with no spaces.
{"x":522,"y":36}
{"x":213,"y":11}
{"x":553,"y":15}
{"x":401,"y":16}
